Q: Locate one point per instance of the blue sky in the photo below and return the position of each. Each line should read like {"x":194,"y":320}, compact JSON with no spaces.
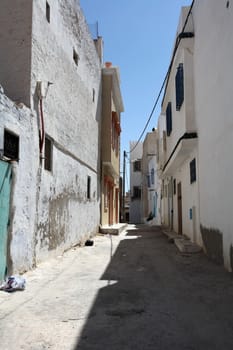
{"x":138,"y":37}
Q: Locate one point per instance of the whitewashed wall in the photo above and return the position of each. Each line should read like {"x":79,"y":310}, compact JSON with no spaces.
{"x":213,"y":57}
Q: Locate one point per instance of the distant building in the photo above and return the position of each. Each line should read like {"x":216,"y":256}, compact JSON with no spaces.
{"x":150,"y":181}
{"x":136,"y":210}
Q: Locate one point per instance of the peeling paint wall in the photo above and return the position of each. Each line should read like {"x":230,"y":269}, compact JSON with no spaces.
{"x":22,"y":122}
{"x":51,"y":210}
{"x":65,"y":215}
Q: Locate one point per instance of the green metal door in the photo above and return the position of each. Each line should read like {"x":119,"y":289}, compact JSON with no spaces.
{"x":5,"y":189}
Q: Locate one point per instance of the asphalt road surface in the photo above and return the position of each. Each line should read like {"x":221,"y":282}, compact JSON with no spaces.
{"x":135,"y":291}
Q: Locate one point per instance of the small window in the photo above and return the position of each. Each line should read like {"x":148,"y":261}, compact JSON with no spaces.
{"x":169,"y":118}
{"x":11,"y":145}
{"x":75,"y":57}
{"x":93,"y":95}
{"x":148,"y":180}
{"x":137,"y":165}
{"x":179,"y":86}
{"x":152,"y":176}
{"x":48,"y":150}
{"x":47,"y":12}
{"x":164,"y":141}
{"x":174,"y":187}
{"x":88,"y":187}
{"x":192,"y":171}
{"x":136,"y":192}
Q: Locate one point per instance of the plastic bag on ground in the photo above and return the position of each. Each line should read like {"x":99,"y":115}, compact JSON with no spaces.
{"x":13,"y":283}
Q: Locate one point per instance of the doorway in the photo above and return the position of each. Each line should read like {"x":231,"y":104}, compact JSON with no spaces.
{"x":179,"y":206}
{"x":110,"y":204}
{"x":5,"y":191}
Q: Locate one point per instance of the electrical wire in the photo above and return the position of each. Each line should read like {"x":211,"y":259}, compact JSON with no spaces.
{"x":126,"y":176}
{"x":166,"y":79}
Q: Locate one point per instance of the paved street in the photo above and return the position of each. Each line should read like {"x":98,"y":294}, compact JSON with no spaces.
{"x":133,"y":291}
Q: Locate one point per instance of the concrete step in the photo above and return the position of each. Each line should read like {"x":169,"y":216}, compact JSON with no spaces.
{"x":113,"y":229}
{"x":171,"y":235}
{"x":186,"y":246}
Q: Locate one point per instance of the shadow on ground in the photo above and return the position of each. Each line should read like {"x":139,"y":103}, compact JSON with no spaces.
{"x":157,"y":298}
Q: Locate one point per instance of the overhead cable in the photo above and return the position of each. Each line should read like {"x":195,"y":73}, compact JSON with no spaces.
{"x":166,"y":79}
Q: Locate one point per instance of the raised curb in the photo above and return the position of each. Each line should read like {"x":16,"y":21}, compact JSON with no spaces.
{"x":172,"y":236}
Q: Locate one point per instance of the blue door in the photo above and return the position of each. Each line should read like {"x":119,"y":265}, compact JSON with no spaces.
{"x":5,"y":189}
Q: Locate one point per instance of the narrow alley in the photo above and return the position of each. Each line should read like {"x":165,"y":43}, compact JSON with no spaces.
{"x":136,"y":292}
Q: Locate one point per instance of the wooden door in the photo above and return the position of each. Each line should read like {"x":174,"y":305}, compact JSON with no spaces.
{"x":110,"y":204}
{"x":116,"y":205}
{"x":179,"y":206}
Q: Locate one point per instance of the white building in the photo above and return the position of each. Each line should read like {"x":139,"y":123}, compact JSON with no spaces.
{"x":136,"y":210}
{"x":150,"y":180}
{"x":49,"y":63}
{"x":197,"y":105}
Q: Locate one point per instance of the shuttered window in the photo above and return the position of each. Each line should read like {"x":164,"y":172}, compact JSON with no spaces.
{"x":179,"y":86}
{"x":169,"y":118}
{"x":193,"y":171}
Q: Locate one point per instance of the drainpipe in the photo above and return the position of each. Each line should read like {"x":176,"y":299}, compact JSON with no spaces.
{"x":42,"y":133}
{"x":42,"y":90}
